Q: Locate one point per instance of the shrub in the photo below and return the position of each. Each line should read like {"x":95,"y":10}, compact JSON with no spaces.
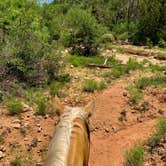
{"x":108,"y":37}
{"x":135,"y":156}
{"x":160,"y":131}
{"x":83,"y":32}
{"x":89,"y":85}
{"x":16,"y":162}
{"x":14,"y":106}
{"x":41,"y":102}
{"x":162,"y":43}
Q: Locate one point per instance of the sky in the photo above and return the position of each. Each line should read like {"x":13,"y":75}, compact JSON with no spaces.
{"x":46,"y":1}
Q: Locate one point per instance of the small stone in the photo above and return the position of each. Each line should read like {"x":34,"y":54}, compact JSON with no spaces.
{"x":1,"y":155}
{"x":124,"y":93}
{"x":46,"y":116}
{"x":38,"y":125}
{"x":2,"y":148}
{"x":16,"y":126}
{"x":16,"y":121}
{"x":25,"y":139}
{"x":45,"y":135}
{"x":71,"y":66}
{"x":39,"y":164}
{"x":39,"y":140}
{"x":107,"y":130}
{"x":39,"y":129}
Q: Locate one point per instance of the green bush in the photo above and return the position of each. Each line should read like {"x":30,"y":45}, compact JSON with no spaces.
{"x":14,"y":106}
{"x":108,"y":37}
{"x":101,"y":85}
{"x":162,"y":43}
{"x":16,"y":162}
{"x":83,"y":32}
{"x":41,"y":102}
{"x":135,"y":156}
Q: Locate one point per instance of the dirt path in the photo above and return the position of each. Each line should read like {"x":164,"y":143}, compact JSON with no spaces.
{"x":111,"y":138}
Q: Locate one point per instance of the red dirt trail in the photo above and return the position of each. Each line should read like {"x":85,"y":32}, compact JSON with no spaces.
{"x":111,"y":138}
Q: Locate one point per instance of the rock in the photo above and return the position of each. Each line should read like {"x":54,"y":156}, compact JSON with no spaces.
{"x":71,"y":66}
{"x":39,"y":164}
{"x":16,"y":121}
{"x":2,"y":155}
{"x":45,"y":135}
{"x":25,"y":139}
{"x":124,"y":93}
{"x":16,"y":126}
{"x":39,"y":129}
{"x":106,"y":130}
{"x":38,"y":125}
{"x":26,"y":107}
{"x":46,"y":116}
{"x":2,"y":148}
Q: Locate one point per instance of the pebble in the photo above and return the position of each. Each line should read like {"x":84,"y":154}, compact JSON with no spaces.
{"x":16,"y":121}
{"x":2,"y":155}
{"x":25,"y":139}
{"x":39,"y":129}
{"x":16,"y":126}
{"x":38,"y":125}
{"x":2,"y":148}
{"x":39,"y":164}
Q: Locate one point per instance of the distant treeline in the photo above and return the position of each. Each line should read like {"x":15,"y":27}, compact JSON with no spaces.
{"x":32,"y":34}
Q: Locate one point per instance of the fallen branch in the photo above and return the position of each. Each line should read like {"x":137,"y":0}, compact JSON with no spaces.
{"x":99,"y":66}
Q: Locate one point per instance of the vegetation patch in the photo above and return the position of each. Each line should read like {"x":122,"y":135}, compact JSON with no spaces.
{"x":134,"y":156}
{"x":16,"y":162}
{"x":92,"y":85}
{"x":14,"y":106}
{"x":160,"y":132}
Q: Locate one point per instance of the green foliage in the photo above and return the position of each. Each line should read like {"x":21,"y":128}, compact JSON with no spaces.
{"x":157,"y":80}
{"x":135,"y":94}
{"x":14,"y":106}
{"x":83,"y":32}
{"x":40,"y":100}
{"x":82,"y":60}
{"x":26,"y":53}
{"x":108,"y":37}
{"x":55,"y":88}
{"x":16,"y":162}
{"x":89,"y":86}
{"x":92,"y":85}
{"x":160,"y":131}
{"x":135,"y":156}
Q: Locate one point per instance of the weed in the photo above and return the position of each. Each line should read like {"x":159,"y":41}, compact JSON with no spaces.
{"x":14,"y":106}
{"x":157,"y":80}
{"x":160,"y":131}
{"x":41,"y":102}
{"x":55,"y":88}
{"x":1,"y":139}
{"x":82,"y":60}
{"x":143,"y":107}
{"x":135,"y":94}
{"x":101,"y":85}
{"x":23,"y":131}
{"x":34,"y":142}
{"x":135,"y":156}
{"x":122,"y":116}
{"x":16,"y":162}
{"x":90,"y":86}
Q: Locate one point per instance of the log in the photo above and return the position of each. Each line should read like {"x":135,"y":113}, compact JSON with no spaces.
{"x":99,"y":66}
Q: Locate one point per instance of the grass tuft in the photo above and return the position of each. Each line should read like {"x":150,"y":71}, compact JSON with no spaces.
{"x":16,"y":162}
{"x":135,"y":156}
{"x":14,"y":106}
